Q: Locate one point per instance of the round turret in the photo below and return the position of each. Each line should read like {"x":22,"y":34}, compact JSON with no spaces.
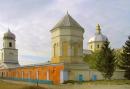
{"x":9,"y":35}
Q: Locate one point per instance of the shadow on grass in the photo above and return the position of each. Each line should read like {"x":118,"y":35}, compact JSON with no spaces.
{"x":34,"y":87}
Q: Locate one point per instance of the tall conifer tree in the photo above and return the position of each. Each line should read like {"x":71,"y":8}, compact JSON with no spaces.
{"x":106,"y":61}
{"x":125,"y":60}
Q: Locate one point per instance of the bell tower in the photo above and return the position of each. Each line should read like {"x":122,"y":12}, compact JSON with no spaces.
{"x":9,"y":53}
{"x":9,"y":40}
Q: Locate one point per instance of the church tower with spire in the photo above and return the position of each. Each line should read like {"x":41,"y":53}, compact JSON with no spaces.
{"x":96,"y":42}
{"x":67,"y":41}
{"x":9,"y":53}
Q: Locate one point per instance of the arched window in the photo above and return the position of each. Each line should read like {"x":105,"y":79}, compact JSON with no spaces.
{"x":98,"y":46}
{"x":65,"y":48}
{"x":2,"y":75}
{"x":76,"y":49}
{"x":2,"y":56}
{"x":22,"y":74}
{"x":37,"y":75}
{"x":54,"y":50}
{"x":91,"y":46}
{"x":29,"y":72}
{"x":47,"y":75}
{"x":10,"y":44}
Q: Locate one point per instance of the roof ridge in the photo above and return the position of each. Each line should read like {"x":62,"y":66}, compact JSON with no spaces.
{"x":67,"y":21}
{"x":68,"y":17}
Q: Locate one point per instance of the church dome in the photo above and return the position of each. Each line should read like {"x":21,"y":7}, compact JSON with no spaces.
{"x":98,"y":36}
{"x":9,"y":35}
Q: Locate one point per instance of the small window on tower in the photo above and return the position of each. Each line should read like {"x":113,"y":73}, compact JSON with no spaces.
{"x":97,"y":46}
{"x":10,"y":44}
{"x":91,"y":46}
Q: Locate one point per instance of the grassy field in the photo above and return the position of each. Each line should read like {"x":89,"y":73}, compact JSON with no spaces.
{"x":6,"y":85}
{"x":113,"y":84}
{"x":18,"y":85}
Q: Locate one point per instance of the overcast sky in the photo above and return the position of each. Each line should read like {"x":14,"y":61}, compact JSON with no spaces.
{"x":31,"y":21}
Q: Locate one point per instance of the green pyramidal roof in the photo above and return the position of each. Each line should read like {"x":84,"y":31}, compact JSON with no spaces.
{"x":67,"y":21}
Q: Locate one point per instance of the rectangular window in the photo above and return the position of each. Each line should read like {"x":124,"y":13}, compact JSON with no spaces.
{"x":10,"y":44}
{"x":97,"y":46}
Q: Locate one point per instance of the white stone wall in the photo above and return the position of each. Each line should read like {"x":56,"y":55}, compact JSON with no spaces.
{"x":88,"y":74}
{"x":118,"y":74}
{"x":10,"y":55}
